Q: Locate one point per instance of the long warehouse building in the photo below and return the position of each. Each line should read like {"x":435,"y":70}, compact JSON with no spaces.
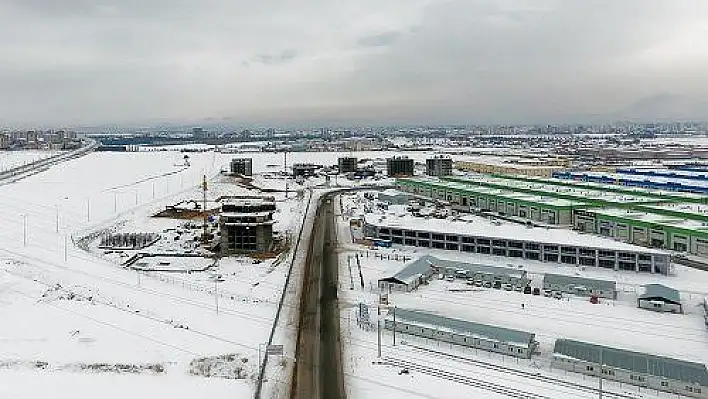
{"x":480,"y":235}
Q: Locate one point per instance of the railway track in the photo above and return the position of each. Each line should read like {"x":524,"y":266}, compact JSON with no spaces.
{"x":526,"y":374}
{"x":462,"y":379}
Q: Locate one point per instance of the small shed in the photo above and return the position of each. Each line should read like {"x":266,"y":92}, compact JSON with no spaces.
{"x":660,"y":298}
{"x":409,"y":278}
{"x":580,"y":286}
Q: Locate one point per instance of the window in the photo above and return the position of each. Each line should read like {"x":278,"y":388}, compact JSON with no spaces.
{"x":664,"y":383}
{"x":689,"y":388}
{"x":521,"y":350}
{"x":496,"y":346}
{"x":590,"y":368}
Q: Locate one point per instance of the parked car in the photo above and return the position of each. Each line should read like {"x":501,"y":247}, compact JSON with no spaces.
{"x":497,"y":285}
{"x":557,"y":294}
{"x":450,"y":278}
{"x":537,"y":291}
{"x":527,"y":289}
{"x":487,"y":284}
{"x":547,"y":293}
{"x":478,"y":283}
{"x":469,"y":282}
{"x":508,"y":287}
{"x":518,"y":288}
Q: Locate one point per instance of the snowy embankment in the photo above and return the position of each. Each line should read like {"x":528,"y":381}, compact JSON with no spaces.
{"x":107,"y":329}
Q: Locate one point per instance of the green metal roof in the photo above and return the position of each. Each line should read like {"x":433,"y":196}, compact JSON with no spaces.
{"x":659,"y":291}
{"x":659,"y":366}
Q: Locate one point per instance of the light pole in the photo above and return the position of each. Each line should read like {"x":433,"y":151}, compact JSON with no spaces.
{"x":56,"y":207}
{"x":24,"y":229}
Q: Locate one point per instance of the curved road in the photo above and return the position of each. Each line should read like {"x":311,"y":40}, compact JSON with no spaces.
{"x":318,"y":370}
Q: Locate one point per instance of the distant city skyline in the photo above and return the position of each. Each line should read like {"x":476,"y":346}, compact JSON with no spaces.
{"x":109,"y":62}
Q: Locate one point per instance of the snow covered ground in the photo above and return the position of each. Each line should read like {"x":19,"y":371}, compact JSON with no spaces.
{"x":83,"y":325}
{"x":617,"y":323}
{"x":12,"y":159}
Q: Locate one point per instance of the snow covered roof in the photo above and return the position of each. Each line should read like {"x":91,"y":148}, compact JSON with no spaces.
{"x":560,"y":279}
{"x":470,"y":328}
{"x":659,"y":366}
{"x":482,"y":227}
{"x":661,"y":292}
{"x":422,"y":266}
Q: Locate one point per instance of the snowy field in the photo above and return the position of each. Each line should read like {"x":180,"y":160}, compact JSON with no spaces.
{"x":13,"y":159}
{"x":617,"y":323}
{"x":80,"y":322}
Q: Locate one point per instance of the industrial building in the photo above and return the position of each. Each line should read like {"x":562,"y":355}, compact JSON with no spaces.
{"x":438,"y":166}
{"x":661,"y":229}
{"x":580,"y":286}
{"x":463,"y":197}
{"x":640,"y":369}
{"x":660,"y":298}
{"x":399,"y":166}
{"x":659,"y":195}
{"x":652,"y":182}
{"x":242,"y":166}
{"x":347,"y":164}
{"x":422,"y":269}
{"x":591,"y":197}
{"x":394,"y":197}
{"x":461,"y":332}
{"x":246,"y":224}
{"x":516,"y":166}
{"x":480,"y":235}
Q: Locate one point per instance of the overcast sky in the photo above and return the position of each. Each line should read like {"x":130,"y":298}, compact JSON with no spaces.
{"x":78,"y":62}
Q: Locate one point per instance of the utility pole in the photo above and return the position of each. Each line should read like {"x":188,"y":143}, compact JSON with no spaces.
{"x":216,"y":295}
{"x":56,"y":207}
{"x":153,"y":189}
{"x":115,"y":202}
{"x":394,"y":326}
{"x":599,"y":390}
{"x":378,"y":332}
{"x":65,"y":248}
{"x":24,"y":229}
{"x":285,"y":170}
{"x":88,"y":209}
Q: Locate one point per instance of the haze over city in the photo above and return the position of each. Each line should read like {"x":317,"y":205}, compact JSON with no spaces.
{"x":87,"y":63}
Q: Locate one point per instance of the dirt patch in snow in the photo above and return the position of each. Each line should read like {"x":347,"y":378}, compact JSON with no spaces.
{"x":229,"y":366}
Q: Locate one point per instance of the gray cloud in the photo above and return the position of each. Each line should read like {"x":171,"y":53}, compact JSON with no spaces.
{"x":381,"y":39}
{"x":276,"y":59}
{"x":110,"y":61}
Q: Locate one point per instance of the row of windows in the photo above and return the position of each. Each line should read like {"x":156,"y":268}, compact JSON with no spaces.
{"x":442,"y":333}
{"x":640,"y":378}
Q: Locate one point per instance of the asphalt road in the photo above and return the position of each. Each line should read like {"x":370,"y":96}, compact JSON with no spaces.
{"x":318,"y":369}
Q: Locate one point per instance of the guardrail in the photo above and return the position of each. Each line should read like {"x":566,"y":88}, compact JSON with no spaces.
{"x":46,"y":162}
{"x":261,"y":373}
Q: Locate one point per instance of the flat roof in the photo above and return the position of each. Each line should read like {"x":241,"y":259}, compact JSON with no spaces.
{"x":510,"y":162}
{"x":659,"y":366}
{"x":482,"y":227}
{"x":510,"y":194}
{"x":561,"y":279}
{"x":651,"y":179}
{"x":465,"y":327}
{"x":577,"y":193}
{"x":422,"y":265}
{"x":640,"y":191}
{"x":653,"y":218}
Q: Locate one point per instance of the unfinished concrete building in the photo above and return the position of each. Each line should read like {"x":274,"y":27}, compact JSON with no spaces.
{"x":242,"y":166}
{"x":246,"y":224}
